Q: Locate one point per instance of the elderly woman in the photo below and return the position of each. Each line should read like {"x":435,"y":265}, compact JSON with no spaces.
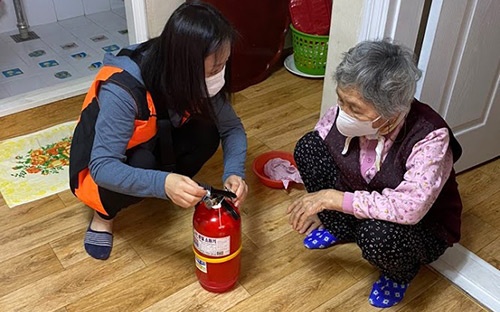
{"x":378,"y":169}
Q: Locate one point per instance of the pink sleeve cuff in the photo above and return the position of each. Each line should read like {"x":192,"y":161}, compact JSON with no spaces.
{"x":347,"y":203}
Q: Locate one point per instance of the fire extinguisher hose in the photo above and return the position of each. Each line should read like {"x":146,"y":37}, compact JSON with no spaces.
{"x":217,"y":260}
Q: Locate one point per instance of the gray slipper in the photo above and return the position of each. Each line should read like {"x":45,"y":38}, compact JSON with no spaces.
{"x":98,"y":244}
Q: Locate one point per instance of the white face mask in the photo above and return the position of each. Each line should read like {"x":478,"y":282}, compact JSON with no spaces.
{"x":216,"y":82}
{"x":351,"y":127}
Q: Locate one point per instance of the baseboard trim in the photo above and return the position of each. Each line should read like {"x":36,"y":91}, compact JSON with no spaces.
{"x":18,"y":103}
{"x":474,"y":275}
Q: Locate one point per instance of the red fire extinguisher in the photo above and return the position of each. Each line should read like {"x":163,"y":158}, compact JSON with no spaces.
{"x":217,"y":241}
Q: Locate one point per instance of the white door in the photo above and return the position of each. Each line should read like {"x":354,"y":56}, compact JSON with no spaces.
{"x":461,"y":62}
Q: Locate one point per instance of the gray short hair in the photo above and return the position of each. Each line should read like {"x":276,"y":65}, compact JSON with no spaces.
{"x":384,"y":73}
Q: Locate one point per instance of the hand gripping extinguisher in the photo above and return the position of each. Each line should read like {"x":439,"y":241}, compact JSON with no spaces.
{"x":217,"y":241}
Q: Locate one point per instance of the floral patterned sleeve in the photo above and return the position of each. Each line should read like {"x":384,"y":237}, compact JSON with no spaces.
{"x":428,"y":167}
{"x":325,"y":123}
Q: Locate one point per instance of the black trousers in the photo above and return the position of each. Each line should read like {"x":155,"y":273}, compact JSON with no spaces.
{"x":194,"y":143}
{"x":397,"y":250}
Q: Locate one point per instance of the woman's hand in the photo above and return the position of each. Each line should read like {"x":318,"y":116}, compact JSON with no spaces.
{"x":238,"y":186}
{"x":312,"y":223}
{"x":183,"y":191}
{"x":303,"y":210}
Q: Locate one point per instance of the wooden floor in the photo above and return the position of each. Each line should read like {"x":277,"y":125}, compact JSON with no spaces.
{"x":43,"y":266}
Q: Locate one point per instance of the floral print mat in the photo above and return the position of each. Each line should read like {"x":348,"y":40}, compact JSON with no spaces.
{"x":36,"y":165}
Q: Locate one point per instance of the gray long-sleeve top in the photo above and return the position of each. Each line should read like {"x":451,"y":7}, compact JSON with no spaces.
{"x":115,"y":125}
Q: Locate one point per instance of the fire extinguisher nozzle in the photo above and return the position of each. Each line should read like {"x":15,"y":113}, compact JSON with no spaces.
{"x":230,"y":209}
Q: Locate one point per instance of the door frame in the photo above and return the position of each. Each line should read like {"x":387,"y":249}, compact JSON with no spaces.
{"x":137,"y":23}
{"x":396,"y":19}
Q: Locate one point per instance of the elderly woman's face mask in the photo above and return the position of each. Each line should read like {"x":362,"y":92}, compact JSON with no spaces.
{"x":352,"y":127}
{"x":351,"y":104}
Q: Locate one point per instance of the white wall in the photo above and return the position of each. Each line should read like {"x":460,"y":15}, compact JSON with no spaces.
{"x":147,"y":18}
{"x":39,"y":12}
{"x":158,"y":12}
{"x":345,"y":27}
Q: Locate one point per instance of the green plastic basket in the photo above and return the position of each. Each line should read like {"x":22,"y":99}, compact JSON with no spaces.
{"x":309,"y":52}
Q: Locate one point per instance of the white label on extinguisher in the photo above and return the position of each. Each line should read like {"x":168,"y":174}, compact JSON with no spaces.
{"x":200,"y":264}
{"x":212,"y":246}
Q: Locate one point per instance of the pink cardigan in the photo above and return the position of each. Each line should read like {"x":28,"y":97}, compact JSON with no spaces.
{"x":428,"y":168}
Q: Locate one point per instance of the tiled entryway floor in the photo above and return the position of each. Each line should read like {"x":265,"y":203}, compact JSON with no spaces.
{"x":66,"y":50}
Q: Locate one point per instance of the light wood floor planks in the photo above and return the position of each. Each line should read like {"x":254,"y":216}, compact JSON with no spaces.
{"x":43,"y":266}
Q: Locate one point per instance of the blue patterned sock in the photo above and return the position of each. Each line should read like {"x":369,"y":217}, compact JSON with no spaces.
{"x":387,"y":293}
{"x":98,"y":244}
{"x":319,"y":239}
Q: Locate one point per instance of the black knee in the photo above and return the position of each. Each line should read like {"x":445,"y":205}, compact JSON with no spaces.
{"x":315,"y":163}
{"x":194,"y":144}
{"x":209,"y":139}
{"x":377,"y":237}
{"x":141,"y":158}
{"x":305,"y":147}
{"x":390,"y":247}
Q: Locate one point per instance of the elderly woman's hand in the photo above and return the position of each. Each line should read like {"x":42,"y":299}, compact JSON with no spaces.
{"x":302,"y":210}
{"x":312,"y":223}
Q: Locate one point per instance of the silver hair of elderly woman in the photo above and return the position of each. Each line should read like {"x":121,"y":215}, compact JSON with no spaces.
{"x":384,"y":73}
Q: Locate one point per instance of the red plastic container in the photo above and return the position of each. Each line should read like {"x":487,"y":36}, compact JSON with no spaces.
{"x":260,"y":161}
{"x":217,"y":247}
{"x":311,"y":16}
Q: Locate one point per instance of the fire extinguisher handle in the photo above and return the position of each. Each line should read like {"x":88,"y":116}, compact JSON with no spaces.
{"x":230,"y":209}
{"x":217,"y":192}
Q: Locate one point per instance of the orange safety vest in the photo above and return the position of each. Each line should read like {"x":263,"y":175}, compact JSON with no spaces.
{"x":145,"y":128}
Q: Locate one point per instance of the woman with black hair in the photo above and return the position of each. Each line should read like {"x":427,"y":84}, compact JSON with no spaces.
{"x":155,"y":113}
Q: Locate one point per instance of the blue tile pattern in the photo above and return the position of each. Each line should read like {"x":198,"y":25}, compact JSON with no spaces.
{"x":69,"y":49}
